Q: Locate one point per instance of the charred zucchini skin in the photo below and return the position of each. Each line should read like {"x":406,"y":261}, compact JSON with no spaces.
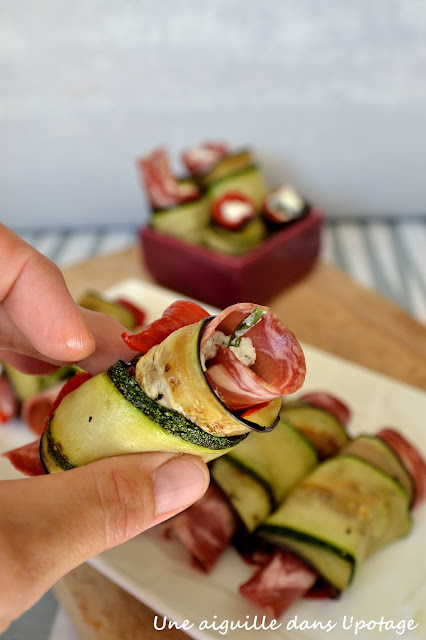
{"x":170,"y":421}
{"x":262,"y":471}
{"x":86,"y":426}
{"x":176,"y":364}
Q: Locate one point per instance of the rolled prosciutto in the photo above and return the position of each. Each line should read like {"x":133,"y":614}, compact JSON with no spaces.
{"x":244,"y":355}
{"x":162,"y":188}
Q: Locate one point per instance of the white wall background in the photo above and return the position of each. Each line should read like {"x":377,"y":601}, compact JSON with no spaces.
{"x":332,"y":95}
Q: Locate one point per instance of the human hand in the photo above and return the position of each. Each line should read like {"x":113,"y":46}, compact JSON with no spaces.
{"x":51,"y":524}
{"x":41,"y":327}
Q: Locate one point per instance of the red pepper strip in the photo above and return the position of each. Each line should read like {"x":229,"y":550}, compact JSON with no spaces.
{"x":248,"y":412}
{"x":179,"y":314}
{"x":232,"y":199}
{"x":138,"y":314}
{"x":73,"y":383}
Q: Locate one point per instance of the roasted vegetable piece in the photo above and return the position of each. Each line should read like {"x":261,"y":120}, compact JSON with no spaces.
{"x":248,"y":181}
{"x":26,"y":386}
{"x":184,"y":394}
{"x":126,"y":313}
{"x":318,"y":425}
{"x":376,"y":451}
{"x":230,"y":164}
{"x":186,"y":221}
{"x":260,"y":472}
{"x":410,"y":457}
{"x":338,"y":515}
{"x":330,"y":403}
{"x":235,"y":243}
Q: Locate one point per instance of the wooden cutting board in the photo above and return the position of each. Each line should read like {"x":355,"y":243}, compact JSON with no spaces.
{"x":326,"y":309}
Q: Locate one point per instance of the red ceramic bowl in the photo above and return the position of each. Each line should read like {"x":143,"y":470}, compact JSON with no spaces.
{"x":222,"y":280}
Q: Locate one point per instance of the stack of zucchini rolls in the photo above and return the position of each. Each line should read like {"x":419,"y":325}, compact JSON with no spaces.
{"x":307,"y":505}
{"x":224,"y":204}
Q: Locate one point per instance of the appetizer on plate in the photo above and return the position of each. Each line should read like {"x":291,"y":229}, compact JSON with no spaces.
{"x":307,"y":506}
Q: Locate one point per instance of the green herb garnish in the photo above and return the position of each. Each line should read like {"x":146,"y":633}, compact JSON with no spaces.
{"x":253,"y":318}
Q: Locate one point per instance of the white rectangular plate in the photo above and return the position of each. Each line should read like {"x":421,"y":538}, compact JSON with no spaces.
{"x":391,"y":586}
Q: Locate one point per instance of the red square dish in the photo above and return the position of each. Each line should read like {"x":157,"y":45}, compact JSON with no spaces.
{"x":222,"y":280}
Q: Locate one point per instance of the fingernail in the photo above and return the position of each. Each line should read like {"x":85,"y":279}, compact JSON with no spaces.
{"x":178,"y":483}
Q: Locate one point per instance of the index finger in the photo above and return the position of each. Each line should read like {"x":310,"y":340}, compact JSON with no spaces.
{"x":36,"y":300}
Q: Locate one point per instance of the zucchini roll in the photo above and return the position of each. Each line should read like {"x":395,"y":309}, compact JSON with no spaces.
{"x":200,"y":390}
{"x":347,"y":508}
{"x":178,"y":206}
{"x":249,"y":483}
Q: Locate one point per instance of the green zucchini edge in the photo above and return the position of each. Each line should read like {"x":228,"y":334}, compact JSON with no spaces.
{"x":169,"y":420}
{"x":250,"y":472}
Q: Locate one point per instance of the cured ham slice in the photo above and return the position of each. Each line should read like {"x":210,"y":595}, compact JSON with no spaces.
{"x":9,"y":404}
{"x":410,"y":457}
{"x":26,"y":459}
{"x":203,"y":157}
{"x":279,"y":367}
{"x":36,"y":409}
{"x":235,"y":383}
{"x":253,"y":550}
{"x":162,"y":188}
{"x":330,"y":403}
{"x":279,"y":583}
{"x":206,"y":528}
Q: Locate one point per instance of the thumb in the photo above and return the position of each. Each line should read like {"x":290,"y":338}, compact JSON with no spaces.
{"x":51,"y":524}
